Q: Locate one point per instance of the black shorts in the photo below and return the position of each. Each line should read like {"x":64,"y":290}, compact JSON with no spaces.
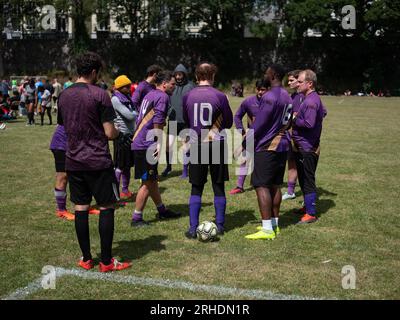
{"x":179,"y":127}
{"x":144,"y":170}
{"x":216,"y":162}
{"x":100,"y":184}
{"x":59,"y":160}
{"x":269,"y":169}
{"x":306,"y":163}
{"x":123,"y":156}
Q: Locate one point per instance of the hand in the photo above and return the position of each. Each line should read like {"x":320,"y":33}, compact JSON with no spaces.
{"x":124,"y":140}
{"x":237,"y":152}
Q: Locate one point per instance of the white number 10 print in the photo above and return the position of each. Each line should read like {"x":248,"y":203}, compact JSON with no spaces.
{"x":200,"y":114}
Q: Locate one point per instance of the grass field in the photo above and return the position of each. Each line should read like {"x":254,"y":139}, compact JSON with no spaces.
{"x":358,"y":182}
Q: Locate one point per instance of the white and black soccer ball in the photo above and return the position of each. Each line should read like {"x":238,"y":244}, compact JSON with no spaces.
{"x":207,"y":231}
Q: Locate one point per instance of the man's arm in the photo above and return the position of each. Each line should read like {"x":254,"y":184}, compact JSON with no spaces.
{"x":108,"y":115}
{"x":123,"y":110}
{"x":239,"y":116}
{"x":110,"y":130}
{"x":307,"y":118}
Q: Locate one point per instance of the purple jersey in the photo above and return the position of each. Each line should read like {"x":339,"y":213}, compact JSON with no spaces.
{"x":83,"y":108}
{"x":59,"y":140}
{"x":142,"y":89}
{"x":249,"y":106}
{"x":153,"y":110}
{"x":297,"y":98}
{"x":272,"y":121}
{"x":307,"y":126}
{"x":206,"y":108}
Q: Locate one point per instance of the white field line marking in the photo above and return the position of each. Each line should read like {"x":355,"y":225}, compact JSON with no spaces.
{"x":35,"y":286}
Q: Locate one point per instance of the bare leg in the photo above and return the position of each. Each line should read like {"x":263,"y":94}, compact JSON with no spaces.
{"x":264,"y":202}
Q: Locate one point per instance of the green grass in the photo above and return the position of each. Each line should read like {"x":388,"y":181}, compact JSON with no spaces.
{"x":358,"y":181}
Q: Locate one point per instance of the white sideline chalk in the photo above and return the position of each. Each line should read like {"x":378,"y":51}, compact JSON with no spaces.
{"x":35,"y":286}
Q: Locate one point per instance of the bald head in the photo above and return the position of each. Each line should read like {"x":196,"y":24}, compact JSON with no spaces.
{"x":206,"y":72}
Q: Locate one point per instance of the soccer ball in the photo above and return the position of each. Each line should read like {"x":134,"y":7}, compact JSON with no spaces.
{"x":207,"y":231}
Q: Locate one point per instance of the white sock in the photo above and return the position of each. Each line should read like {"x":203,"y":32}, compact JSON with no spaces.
{"x":275,"y":222}
{"x":267,"y":225}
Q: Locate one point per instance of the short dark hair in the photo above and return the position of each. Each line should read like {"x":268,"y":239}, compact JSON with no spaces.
{"x":262,"y":83}
{"x":152,"y":70}
{"x":278,"y":70}
{"x":87,"y":62}
{"x":205,"y":71}
{"x":164,"y":76}
{"x":294,"y":73}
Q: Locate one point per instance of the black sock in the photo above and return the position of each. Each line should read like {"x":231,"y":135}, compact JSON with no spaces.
{"x":106,"y":230}
{"x":41,"y":118}
{"x":49,"y":115}
{"x":82,"y":232}
{"x":168,"y":161}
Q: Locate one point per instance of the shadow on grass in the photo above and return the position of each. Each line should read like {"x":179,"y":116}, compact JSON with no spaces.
{"x":181,"y":208}
{"x":239,"y":219}
{"x":135,"y":249}
{"x":173,"y":174}
{"x":289,"y":217}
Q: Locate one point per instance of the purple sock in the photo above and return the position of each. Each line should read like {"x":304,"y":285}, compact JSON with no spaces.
{"x":220,"y":207}
{"x":185,"y":171}
{"x":161,"y":209}
{"x":118,"y":174}
{"x":194,"y":211}
{"x":240,"y":181}
{"x":137,"y":216}
{"x":291,"y":186}
{"x":126,"y":178}
{"x":61,"y":199}
{"x":310,"y":200}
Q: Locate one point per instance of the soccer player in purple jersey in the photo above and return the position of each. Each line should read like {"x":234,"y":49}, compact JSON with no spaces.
{"x":207,"y":113}
{"x":87,"y":114}
{"x":292,"y":170}
{"x":249,"y":107}
{"x":307,"y":128}
{"x":145,"y":86}
{"x":147,"y":145}
{"x":271,"y":145}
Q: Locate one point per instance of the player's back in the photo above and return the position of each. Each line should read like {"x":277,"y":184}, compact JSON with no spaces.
{"x":206,"y":108}
{"x":83,"y":108}
{"x":272,"y":119}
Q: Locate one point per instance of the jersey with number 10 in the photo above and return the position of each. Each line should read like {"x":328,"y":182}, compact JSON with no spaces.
{"x":272,"y":121}
{"x":206,"y":108}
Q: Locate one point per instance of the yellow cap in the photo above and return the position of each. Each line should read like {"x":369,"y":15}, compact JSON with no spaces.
{"x":121,"y":81}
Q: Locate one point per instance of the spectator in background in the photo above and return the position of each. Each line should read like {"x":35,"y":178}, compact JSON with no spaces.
{"x":4,"y":89}
{"x":30,"y":101}
{"x":57,"y":88}
{"x":68,"y":83}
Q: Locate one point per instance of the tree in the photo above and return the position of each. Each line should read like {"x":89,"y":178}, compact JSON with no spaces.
{"x":80,"y":11}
